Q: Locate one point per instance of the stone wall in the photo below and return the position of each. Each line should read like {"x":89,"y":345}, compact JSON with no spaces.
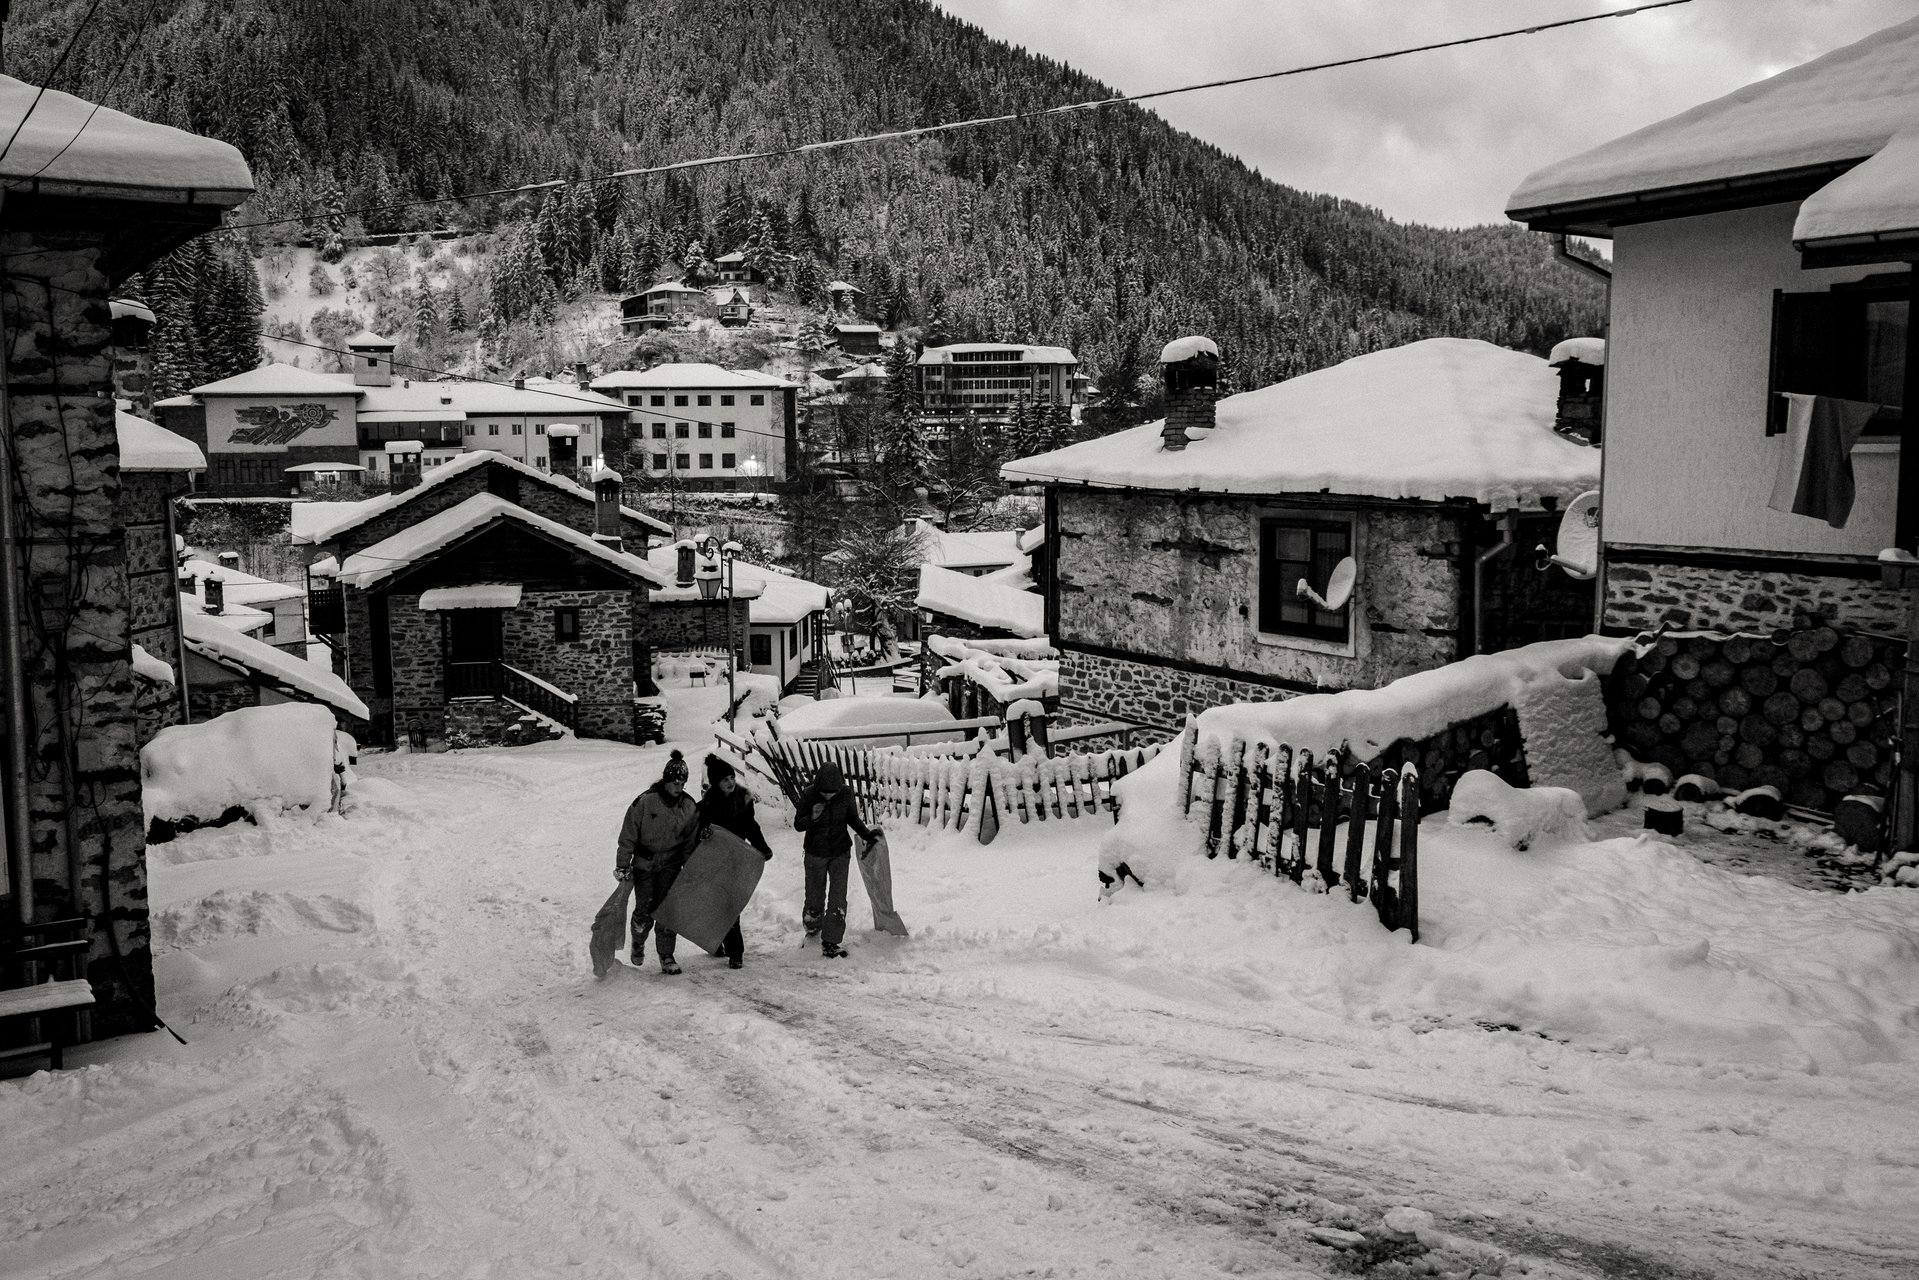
{"x":207,"y":700}
{"x":1178,"y":575}
{"x":694,"y":624}
{"x":419,"y":666}
{"x":1644,"y":597}
{"x":152,"y":589}
{"x":78,"y":638}
{"x":597,"y":668}
{"x":1094,"y":687}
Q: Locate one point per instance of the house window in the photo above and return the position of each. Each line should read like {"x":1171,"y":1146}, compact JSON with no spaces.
{"x":725,"y":401}
{"x":1292,"y":551}
{"x":372,"y":362}
{"x":468,"y":430}
{"x":792,"y":642}
{"x":729,"y":460}
{"x":679,"y":402}
{"x":706,"y":400}
{"x":761,"y":654}
{"x":706,"y":462}
{"x":706,"y":431}
{"x":634,"y":399}
{"x":1849,"y":343}
{"x":518,"y":429}
{"x":758,"y":399}
{"x":681,"y":462}
{"x":727,"y":430}
{"x":659,"y":462}
{"x":680,"y":431}
{"x":657,"y":401}
{"x":539,"y":428}
{"x":493,"y":428}
{"x":566,"y":624}
{"x":659,"y":431}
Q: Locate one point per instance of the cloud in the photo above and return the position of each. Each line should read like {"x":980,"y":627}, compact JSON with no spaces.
{"x":1437,"y":137}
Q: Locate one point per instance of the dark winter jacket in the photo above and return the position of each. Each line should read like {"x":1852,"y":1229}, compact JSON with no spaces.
{"x":826,"y":835}
{"x":734,"y":813}
{"x":658,"y":830}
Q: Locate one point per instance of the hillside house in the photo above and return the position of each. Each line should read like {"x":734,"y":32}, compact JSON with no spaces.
{"x":713,"y":428}
{"x":86,"y":208}
{"x":735,"y":308}
{"x":228,"y":667}
{"x":1762,"y":355}
{"x":487,"y":591}
{"x":734,"y":269}
{"x":987,"y":381}
{"x":667,"y":305}
{"x":857,"y":339}
{"x":995,"y":606}
{"x":1334,"y":531}
{"x":264,"y":430}
{"x":976,"y":553}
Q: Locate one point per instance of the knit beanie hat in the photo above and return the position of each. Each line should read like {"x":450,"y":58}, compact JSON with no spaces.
{"x":716,"y":769}
{"x":675,"y":770}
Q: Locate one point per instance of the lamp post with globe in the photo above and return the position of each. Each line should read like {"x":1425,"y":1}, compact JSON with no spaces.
{"x":715,"y":577}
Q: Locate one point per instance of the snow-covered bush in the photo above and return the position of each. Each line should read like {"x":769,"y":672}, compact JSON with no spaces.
{"x":254,"y":759}
{"x":1522,"y":816}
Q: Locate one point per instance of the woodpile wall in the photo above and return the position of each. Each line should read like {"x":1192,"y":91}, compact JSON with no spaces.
{"x":1809,"y":710}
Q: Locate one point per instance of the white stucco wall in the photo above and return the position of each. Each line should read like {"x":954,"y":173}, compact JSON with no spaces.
{"x":1687,"y":459}
{"x":529,"y":446}
{"x":761,"y":430}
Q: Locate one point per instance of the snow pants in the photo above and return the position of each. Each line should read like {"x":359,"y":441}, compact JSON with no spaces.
{"x":649,"y":891}
{"x":826,"y":897}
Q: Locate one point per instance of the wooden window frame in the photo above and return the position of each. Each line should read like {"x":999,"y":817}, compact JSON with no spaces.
{"x":1274,"y":581}
{"x":566,"y":624}
{"x":1810,"y":326}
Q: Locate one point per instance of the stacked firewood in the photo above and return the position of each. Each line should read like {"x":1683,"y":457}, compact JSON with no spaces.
{"x":1809,"y":710}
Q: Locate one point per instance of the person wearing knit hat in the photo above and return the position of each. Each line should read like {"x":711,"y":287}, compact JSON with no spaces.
{"x":824,"y":812}
{"x":728,"y":805}
{"x":661,"y":829}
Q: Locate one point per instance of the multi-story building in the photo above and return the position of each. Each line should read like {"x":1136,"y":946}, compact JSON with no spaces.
{"x":988,"y":380}
{"x":259,"y":429}
{"x":711,"y":428}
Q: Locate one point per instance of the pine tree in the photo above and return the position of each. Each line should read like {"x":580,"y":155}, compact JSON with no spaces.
{"x":456,"y":308}
{"x":426,"y":318}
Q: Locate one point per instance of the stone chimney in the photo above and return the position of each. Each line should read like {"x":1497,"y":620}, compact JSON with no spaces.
{"x":372,"y":358}
{"x":683,"y":553}
{"x":131,"y":354}
{"x":580,"y":379}
{"x":230,"y":560}
{"x":519,"y":382}
{"x":1190,"y":367}
{"x":403,"y":462}
{"x":214,"y":593}
{"x":606,"y":508}
{"x":1581,"y":365}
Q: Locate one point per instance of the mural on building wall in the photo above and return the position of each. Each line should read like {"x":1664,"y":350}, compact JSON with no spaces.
{"x":270,"y":424}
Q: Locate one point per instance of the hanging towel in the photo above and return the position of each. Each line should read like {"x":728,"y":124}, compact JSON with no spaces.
{"x":1815,"y":462}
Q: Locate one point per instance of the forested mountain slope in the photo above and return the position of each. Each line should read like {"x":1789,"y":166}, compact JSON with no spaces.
{"x":1108,"y":233}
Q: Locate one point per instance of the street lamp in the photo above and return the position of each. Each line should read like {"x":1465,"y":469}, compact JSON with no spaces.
{"x":714,"y":554}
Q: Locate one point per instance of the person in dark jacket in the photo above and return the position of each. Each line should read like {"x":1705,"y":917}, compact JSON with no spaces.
{"x":661,"y":829}
{"x":824,"y":813}
{"x":729,"y":806}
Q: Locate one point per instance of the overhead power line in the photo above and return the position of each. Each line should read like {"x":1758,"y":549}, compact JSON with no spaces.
{"x":951,"y":126}
{"x":39,"y":93}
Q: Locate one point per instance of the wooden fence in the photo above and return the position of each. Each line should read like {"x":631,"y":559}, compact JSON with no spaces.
{"x":1282,"y":810}
{"x":961,"y":785}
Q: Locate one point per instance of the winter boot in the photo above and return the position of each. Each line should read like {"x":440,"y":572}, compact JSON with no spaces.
{"x":668,"y":965}
{"x":832,"y":951}
{"x":736,"y":963}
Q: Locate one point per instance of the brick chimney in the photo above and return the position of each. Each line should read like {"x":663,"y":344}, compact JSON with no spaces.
{"x":606,"y":507}
{"x":1190,"y":367}
{"x":403,"y":461}
{"x":580,"y":379}
{"x":1581,"y":365}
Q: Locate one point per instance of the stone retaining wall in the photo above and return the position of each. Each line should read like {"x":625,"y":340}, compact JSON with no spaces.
{"x":1093,"y":687}
{"x":1645,"y":597}
{"x":597,"y":668}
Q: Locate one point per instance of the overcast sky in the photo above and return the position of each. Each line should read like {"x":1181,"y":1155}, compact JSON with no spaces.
{"x":1435,"y":137}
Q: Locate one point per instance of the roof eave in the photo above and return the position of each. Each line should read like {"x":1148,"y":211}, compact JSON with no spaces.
{"x":1596,"y":217}
{"x":1856,"y":250}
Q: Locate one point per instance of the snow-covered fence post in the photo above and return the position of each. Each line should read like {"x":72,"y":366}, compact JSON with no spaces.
{"x":1188,"y":746}
{"x":1361,"y":793}
{"x":1328,"y":822}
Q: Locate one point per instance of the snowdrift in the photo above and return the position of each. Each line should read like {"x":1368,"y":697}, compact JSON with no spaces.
{"x":254,"y":759}
{"x":863,"y":711}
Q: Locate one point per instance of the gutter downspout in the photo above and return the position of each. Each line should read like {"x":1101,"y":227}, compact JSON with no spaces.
{"x":1508,"y":526}
{"x":12,"y":670}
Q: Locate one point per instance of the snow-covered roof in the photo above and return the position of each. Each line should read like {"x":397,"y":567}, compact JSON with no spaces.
{"x":687,"y":375}
{"x":205,"y":636}
{"x":965,"y":550}
{"x":406,"y":446}
{"x":1836,"y":109}
{"x":840,"y":286}
{"x":483,"y":595}
{"x":148,"y":446}
{"x":868,"y":372}
{"x":980,"y":601}
{"x":417,"y":542}
{"x":856,"y":328}
{"x":359,"y":513}
{"x":319,"y":467}
{"x":150,"y":668}
{"x":1032,"y":540}
{"x":671,"y":286}
{"x":234,"y":616}
{"x":778,"y":599}
{"x":1585,"y":350}
{"x":122,"y":308}
{"x":1186,"y":348}
{"x":1019,"y":351}
{"x":1877,"y":200}
{"x":368,"y":338}
{"x":274,"y":379}
{"x":238,"y":587}
{"x":68,"y":146}
{"x":1437,"y":419}
{"x":445,"y":413}
{"x":738,"y":255}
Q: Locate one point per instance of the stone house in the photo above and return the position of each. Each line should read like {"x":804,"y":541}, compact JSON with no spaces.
{"x":228,"y":667}
{"x":156,"y":466}
{"x":1334,"y":531}
{"x":578,"y":610}
{"x":85,"y":209}
{"x":1762,"y":356}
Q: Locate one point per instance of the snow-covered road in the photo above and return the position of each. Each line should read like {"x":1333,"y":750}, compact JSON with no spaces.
{"x":401,"y":1066}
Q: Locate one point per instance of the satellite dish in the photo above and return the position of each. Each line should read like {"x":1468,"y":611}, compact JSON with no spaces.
{"x":1339,"y":587}
{"x":1578,"y":542}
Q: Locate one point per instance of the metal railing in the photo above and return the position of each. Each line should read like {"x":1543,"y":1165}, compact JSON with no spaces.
{"x":472,"y":679}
